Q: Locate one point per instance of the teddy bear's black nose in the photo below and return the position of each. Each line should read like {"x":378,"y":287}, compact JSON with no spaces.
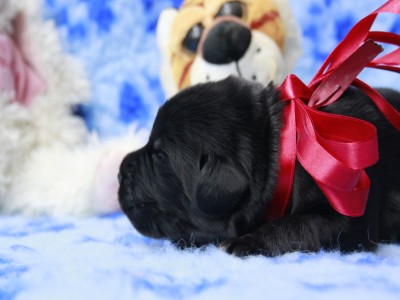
{"x":226,"y":42}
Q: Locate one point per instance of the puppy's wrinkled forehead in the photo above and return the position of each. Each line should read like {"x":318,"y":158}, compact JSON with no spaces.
{"x":206,"y":117}
{"x":210,"y":110}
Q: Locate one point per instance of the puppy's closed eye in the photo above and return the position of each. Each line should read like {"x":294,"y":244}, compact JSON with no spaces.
{"x":158,"y":154}
{"x":157,"y":151}
{"x":204,"y":159}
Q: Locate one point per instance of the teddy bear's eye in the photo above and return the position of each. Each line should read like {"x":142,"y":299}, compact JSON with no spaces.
{"x":234,"y":8}
{"x":191,"y":41}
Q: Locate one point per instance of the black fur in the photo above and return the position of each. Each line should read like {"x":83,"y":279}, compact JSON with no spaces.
{"x":209,"y":171}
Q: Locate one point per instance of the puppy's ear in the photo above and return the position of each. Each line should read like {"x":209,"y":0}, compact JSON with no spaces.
{"x":221,"y":185}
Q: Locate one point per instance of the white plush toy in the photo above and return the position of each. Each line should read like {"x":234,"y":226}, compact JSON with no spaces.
{"x":208,"y":40}
{"x":49,"y":164}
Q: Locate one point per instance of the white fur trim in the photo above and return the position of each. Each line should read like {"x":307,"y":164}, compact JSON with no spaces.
{"x":58,"y":181}
{"x":293,"y":40}
{"x":46,"y":163}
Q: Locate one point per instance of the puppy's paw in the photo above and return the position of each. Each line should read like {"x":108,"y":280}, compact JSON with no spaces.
{"x":242,"y":246}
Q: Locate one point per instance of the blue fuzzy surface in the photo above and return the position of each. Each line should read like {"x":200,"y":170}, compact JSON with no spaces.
{"x":104,"y":257}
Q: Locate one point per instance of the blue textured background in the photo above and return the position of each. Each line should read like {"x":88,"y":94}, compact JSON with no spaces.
{"x":115,"y":41}
{"x":104,"y":257}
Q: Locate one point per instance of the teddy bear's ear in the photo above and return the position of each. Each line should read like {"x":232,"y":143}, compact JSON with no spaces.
{"x":164,"y":26}
{"x":163,"y":33}
{"x":293,"y":40}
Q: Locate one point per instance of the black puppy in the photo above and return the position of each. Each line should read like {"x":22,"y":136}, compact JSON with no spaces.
{"x":209,"y":171}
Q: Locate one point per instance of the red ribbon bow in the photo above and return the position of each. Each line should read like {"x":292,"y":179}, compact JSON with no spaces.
{"x":335,"y":149}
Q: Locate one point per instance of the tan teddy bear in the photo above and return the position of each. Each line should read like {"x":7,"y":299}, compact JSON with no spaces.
{"x":211,"y":39}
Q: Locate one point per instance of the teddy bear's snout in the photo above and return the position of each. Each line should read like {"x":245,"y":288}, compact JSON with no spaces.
{"x":226,"y":42}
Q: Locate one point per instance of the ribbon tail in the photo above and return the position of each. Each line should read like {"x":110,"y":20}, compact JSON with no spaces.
{"x":287,"y":161}
{"x":391,"y":114}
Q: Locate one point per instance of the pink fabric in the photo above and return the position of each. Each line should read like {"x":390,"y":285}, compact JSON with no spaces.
{"x":16,"y":74}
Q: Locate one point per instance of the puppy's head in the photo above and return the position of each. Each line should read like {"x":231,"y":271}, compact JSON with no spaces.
{"x":199,"y":178}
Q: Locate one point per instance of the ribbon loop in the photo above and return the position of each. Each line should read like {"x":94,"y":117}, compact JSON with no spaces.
{"x":294,"y":88}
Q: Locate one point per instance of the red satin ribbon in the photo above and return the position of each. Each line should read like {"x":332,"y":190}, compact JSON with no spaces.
{"x":335,"y":149}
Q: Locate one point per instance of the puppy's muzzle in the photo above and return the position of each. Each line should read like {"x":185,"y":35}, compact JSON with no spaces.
{"x":120,"y":178}
{"x":227,"y":41}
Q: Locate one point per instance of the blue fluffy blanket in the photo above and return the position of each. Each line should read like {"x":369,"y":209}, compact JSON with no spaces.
{"x":104,"y":257}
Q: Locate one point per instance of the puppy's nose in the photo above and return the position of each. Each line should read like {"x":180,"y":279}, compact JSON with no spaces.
{"x":226,"y":42}
{"x":120,"y":178}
